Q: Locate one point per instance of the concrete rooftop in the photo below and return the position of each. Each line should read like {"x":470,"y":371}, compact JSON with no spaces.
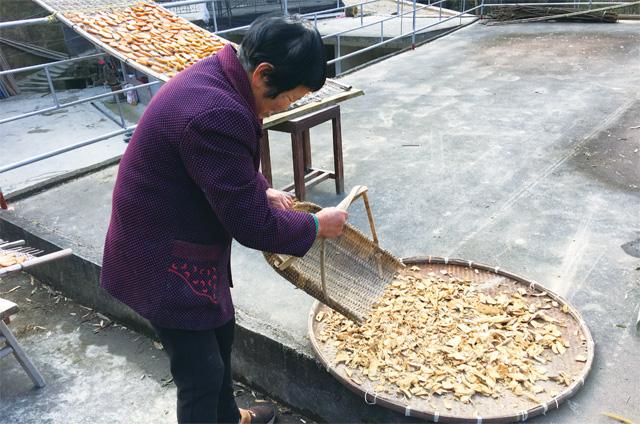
{"x":514,"y":146}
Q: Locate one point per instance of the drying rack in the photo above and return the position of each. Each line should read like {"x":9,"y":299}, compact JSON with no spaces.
{"x":333,"y":92}
{"x":30,"y":256}
{"x":8,"y":342}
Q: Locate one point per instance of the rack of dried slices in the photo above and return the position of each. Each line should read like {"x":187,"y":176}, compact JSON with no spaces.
{"x":155,"y":41}
{"x":15,"y":256}
{"x":145,"y":35}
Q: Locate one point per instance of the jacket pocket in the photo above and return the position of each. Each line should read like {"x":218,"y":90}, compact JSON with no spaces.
{"x":195,"y":251}
{"x":197,"y":269}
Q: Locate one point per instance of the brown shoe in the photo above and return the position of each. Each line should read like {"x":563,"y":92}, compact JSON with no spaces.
{"x":260,"y":414}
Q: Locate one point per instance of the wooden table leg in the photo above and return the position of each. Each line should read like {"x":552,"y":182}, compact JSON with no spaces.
{"x":337,"y":153}
{"x":22,"y":357}
{"x":297,"y":150}
{"x":306,"y":149}
{"x":265,"y":157}
{"x":3,"y":202}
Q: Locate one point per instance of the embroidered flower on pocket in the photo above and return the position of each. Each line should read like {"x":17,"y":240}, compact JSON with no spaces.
{"x":202,"y":280}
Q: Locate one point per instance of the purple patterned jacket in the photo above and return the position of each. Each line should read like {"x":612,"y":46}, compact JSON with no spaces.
{"x":187,"y":184}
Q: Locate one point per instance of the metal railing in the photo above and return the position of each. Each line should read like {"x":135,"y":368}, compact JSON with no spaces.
{"x":314,"y":16}
{"x":24,"y":22}
{"x":58,"y":105}
{"x":413,"y":33}
{"x":65,"y":149}
{"x":464,"y":13}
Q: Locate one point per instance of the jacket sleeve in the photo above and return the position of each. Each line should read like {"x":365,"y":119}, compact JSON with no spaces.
{"x":264,"y":180}
{"x":217,"y":151}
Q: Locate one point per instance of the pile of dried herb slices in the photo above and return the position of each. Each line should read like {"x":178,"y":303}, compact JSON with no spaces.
{"x":435,"y":334}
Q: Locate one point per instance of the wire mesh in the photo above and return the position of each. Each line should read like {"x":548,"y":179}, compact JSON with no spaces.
{"x":86,"y":5}
{"x":15,"y":253}
{"x":331,"y":88}
{"x":356,"y":271}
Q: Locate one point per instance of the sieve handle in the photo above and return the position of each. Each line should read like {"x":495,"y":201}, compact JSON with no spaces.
{"x":356,"y":192}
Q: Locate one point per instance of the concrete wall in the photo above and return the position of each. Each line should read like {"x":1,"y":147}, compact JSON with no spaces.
{"x":49,"y":36}
{"x":259,"y":359}
{"x":359,"y":59}
{"x":352,"y":44}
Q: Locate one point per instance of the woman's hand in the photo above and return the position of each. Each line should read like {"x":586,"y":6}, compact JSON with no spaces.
{"x":331,"y":222}
{"x":279,"y":199}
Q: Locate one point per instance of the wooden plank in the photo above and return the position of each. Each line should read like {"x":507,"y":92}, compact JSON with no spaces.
{"x":298,"y":165}
{"x":7,"y":350}
{"x":320,"y":178}
{"x":310,"y":107}
{"x":21,"y":356}
{"x":265,"y":157}
{"x":7,"y":308}
{"x":338,"y":161}
{"x":312,"y":178}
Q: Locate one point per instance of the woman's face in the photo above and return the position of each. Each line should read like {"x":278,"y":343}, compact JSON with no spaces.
{"x":266,"y":105}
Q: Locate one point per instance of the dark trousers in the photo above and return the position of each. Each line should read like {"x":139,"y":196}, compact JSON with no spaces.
{"x":201,"y":369}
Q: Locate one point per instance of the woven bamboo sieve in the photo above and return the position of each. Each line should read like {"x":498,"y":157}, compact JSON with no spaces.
{"x":348,"y":273}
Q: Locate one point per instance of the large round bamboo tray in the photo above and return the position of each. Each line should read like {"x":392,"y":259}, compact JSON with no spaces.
{"x":508,"y":408}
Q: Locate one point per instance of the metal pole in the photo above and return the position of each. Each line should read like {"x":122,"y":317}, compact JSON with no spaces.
{"x":381,"y":31}
{"x":361,"y":14}
{"x":413,"y":30}
{"x":123,"y":69}
{"x":106,"y":112}
{"x":285,"y":4}
{"x":122,"y":123}
{"x":482,"y":9}
{"x":215,"y":17}
{"x":182,"y":3}
{"x":338,"y":63}
{"x":315,"y":20}
{"x":45,"y":65}
{"x":53,"y":90}
{"x":25,"y":22}
{"x":464,"y":5}
{"x":56,"y":152}
{"x":560,"y":3}
{"x":401,"y":15}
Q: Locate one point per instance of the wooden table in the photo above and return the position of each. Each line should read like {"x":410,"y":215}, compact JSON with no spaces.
{"x":304,"y":174}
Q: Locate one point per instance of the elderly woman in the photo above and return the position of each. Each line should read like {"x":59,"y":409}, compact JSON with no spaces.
{"x":188,"y":184}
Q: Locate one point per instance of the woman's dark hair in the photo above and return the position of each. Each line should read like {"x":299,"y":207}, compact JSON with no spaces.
{"x":294,"y":48}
